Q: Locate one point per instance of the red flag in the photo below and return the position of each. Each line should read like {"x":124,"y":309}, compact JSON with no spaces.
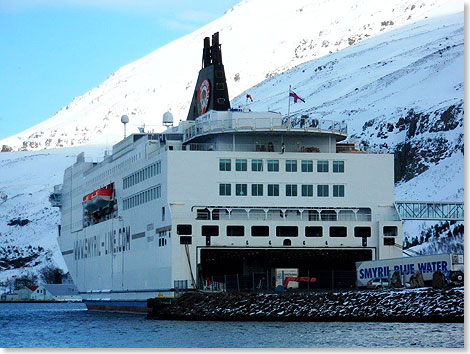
{"x":296,"y":97}
{"x":248,"y":96}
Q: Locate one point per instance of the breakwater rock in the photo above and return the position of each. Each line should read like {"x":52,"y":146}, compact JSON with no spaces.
{"x":417,"y":305}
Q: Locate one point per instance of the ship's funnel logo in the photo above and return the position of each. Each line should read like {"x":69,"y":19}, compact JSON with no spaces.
{"x":204,"y":95}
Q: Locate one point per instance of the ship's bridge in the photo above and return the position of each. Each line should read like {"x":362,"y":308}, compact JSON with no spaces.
{"x":238,"y":122}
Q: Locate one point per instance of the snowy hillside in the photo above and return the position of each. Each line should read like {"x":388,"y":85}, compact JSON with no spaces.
{"x":260,"y":38}
{"x":28,"y":223}
{"x":428,"y":237}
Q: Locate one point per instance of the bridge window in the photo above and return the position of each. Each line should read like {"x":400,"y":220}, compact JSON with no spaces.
{"x":389,"y":241}
{"x":362,"y":231}
{"x":313,"y":231}
{"x":260,"y":231}
{"x":338,"y":231}
{"x":240,"y":165}
{"x":210,"y":230}
{"x":338,"y":190}
{"x":225,"y":189}
{"x":338,"y":166}
{"x":291,"y":165}
{"x":307,"y":166}
{"x":291,"y":190}
{"x":241,"y":189}
{"x":307,"y":190}
{"x":235,"y":230}
{"x":322,"y":190}
{"x":322,"y":166}
{"x":273,"y":190}
{"x":184,"y":229}
{"x":390,"y":231}
{"x":225,"y":165}
{"x":287,"y":231}
{"x":257,"y":165}
{"x":256,"y":190}
{"x":273,"y":165}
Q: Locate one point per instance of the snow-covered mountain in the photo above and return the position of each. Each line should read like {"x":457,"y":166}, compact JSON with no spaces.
{"x":260,"y":38}
{"x":394,"y":71}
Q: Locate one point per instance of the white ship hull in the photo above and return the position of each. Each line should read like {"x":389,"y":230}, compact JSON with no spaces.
{"x":138,"y":254}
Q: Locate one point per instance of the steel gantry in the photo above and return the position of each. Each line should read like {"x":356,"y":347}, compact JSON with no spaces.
{"x":430,"y":210}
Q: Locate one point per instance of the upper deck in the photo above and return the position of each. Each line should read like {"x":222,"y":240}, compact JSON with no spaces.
{"x":239,"y":122}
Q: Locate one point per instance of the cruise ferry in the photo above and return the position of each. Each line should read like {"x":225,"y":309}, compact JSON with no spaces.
{"x":225,"y":192}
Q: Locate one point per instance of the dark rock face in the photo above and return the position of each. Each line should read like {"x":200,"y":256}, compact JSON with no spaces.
{"x":19,"y":222}
{"x":6,"y":148}
{"x":423,"y":305}
{"x":13,"y":257}
{"x":418,"y":139}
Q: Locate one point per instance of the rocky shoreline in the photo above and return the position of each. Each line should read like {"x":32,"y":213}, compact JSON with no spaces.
{"x":417,"y":305}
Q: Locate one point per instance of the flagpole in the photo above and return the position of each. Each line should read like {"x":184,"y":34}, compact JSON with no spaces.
{"x":288,"y":109}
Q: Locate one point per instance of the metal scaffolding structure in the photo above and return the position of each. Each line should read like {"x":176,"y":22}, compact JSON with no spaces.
{"x":430,"y":210}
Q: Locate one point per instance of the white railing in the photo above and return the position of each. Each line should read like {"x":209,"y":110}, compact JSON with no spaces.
{"x":262,"y":124}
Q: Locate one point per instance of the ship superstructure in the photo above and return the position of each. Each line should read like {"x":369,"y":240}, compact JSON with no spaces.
{"x":228,"y":191}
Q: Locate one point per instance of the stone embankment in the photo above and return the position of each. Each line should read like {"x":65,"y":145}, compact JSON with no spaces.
{"x":418,"y":305}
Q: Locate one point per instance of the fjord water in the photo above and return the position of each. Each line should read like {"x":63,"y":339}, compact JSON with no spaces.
{"x":35,"y":325}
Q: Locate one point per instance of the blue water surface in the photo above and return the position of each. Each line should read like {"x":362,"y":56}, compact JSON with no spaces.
{"x":67,"y":325}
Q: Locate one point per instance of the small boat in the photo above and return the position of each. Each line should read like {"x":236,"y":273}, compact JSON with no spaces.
{"x":87,"y":202}
{"x":102,"y":196}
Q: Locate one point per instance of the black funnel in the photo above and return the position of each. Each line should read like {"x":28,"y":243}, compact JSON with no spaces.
{"x":211,"y":87}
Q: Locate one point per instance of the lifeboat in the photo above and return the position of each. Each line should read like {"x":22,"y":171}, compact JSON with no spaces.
{"x":87,"y":202}
{"x":102,"y":196}
{"x":99,"y":198}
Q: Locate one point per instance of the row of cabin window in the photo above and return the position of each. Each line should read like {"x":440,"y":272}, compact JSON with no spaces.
{"x":142,"y":197}
{"x":284,"y":231}
{"x":273,"y":165}
{"x":141,"y":175}
{"x":113,"y":170}
{"x":306,"y":190}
